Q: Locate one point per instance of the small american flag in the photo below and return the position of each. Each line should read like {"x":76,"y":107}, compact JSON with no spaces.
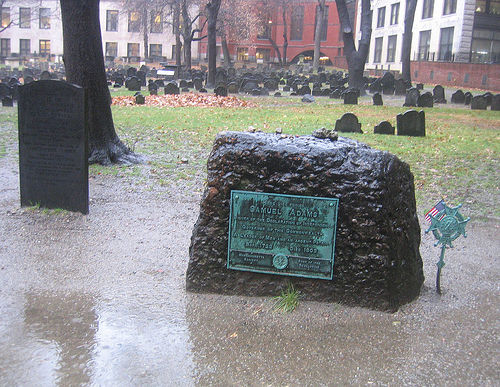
{"x":435,"y":210}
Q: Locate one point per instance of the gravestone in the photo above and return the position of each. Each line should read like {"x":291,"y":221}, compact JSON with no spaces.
{"x":44,"y":75}
{"x":384,"y":127}
{"x":308,"y":98}
{"x":220,"y":91}
{"x":140,"y":99}
{"x":171,"y":88}
{"x":53,"y":158}
{"x":426,"y":100}
{"x":198,"y":83}
{"x":233,"y":87}
{"x":28,"y":79}
{"x":411,"y":123}
{"x":7,"y":101}
{"x":399,"y":87}
{"x":348,"y":123}
{"x":131,"y":71}
{"x":304,"y":90}
{"x":351,"y":97}
{"x":467,"y":98}
{"x":142,"y":77}
{"x":438,"y":93}
{"x":495,"y":102}
{"x":377,"y":99}
{"x":420,"y":86}
{"x":133,"y":84}
{"x":479,"y":102}
{"x":486,"y":95}
{"x":277,"y":94}
{"x":412,"y":96}
{"x":458,"y":97}
{"x":376,"y":264}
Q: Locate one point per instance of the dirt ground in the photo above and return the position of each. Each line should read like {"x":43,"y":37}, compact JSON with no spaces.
{"x":100,"y":300}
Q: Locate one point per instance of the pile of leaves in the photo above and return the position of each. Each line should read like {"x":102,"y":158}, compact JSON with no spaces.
{"x":187,"y":99}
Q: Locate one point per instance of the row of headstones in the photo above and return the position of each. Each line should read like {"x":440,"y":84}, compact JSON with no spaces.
{"x":410,"y":123}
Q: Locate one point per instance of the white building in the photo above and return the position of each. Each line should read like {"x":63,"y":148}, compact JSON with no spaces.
{"x":33,"y":29}
{"x":443,"y":30}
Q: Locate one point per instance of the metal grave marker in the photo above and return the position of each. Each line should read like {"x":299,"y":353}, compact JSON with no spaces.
{"x":282,"y":234}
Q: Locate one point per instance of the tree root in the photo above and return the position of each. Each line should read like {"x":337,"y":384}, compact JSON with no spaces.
{"x":114,"y":153}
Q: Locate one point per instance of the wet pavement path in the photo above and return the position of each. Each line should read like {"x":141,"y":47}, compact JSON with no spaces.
{"x":100,"y":300}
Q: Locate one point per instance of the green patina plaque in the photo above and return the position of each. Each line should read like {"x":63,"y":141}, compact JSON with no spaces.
{"x":282,"y":234}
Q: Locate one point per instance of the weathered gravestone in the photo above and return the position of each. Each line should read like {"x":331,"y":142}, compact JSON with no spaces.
{"x":420,"y":86}
{"x":479,"y":102}
{"x":377,"y":99}
{"x":411,"y":98}
{"x":308,"y":98}
{"x":220,"y":91}
{"x":44,"y":75}
{"x":198,"y":83}
{"x":140,"y":99}
{"x":438,"y":93}
{"x":458,"y":97}
{"x":7,"y":101}
{"x":468,"y":98}
{"x":495,"y":102}
{"x":171,"y":88}
{"x":133,"y":84}
{"x":53,"y":158}
{"x":425,"y":100}
{"x":233,"y":87}
{"x":348,"y":123}
{"x":376,"y":261}
{"x":384,"y":127}
{"x":411,"y":123}
{"x":399,"y":87}
{"x":351,"y":97}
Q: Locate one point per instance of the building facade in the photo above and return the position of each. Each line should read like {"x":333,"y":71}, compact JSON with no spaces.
{"x":33,"y":30}
{"x":301,"y":24}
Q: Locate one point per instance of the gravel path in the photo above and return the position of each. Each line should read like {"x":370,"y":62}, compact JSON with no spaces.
{"x":100,"y":300}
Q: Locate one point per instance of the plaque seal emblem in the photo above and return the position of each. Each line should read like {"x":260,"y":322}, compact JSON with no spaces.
{"x":280,"y":261}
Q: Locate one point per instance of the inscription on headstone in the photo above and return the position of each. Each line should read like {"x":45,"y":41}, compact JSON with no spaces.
{"x":53,"y":159}
{"x":282,"y":234}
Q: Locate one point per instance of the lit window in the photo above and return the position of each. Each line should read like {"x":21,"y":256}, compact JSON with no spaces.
{"x":44,"y":22}
{"x":134,"y":23}
{"x":44,"y":47}
{"x":5,"y":16}
{"x":112,"y":49}
{"x":156,"y":22}
{"x":242,"y":54}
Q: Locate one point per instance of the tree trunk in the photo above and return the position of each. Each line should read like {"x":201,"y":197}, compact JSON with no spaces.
{"x":356,"y":59}
{"x":186,"y":35}
{"x":277,"y":49}
{"x":187,"y":54}
{"x":317,"y":33}
{"x":225,"y":50}
{"x":285,"y":37}
{"x":411,"y":5}
{"x":84,"y":64}
{"x":145,"y":32}
{"x":213,"y":10}
{"x":177,"y":33}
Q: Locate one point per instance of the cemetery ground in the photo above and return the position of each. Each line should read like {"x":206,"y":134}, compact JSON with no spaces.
{"x":100,"y":299}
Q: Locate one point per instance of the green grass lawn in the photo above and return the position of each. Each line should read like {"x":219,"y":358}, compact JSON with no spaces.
{"x":458,"y":160}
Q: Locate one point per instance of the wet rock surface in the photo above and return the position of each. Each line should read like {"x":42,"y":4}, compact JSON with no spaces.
{"x":377,"y":259}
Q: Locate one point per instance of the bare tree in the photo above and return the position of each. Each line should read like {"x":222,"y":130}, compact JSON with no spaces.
{"x":190,"y":15}
{"x":84,"y":63}
{"x":411,"y":5}
{"x":356,"y":59}
{"x":212,"y":9}
{"x":320,"y":17}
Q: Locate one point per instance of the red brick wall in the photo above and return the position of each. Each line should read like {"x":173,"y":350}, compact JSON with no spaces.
{"x":481,"y":76}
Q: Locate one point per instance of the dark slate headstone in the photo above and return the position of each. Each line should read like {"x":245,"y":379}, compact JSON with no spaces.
{"x":203,"y":90}
{"x":308,"y":98}
{"x":458,"y":97}
{"x":377,"y":259}
{"x":467,"y":98}
{"x":44,"y":75}
{"x":420,"y":86}
{"x":377,"y":99}
{"x":488,"y":97}
{"x":140,"y":99}
{"x":438,"y":93}
{"x":5,"y":90}
{"x":384,"y":127}
{"x":412,"y":96}
{"x":171,"y":88}
{"x":479,"y":102}
{"x":220,"y":91}
{"x":233,"y":87}
{"x":351,"y":97}
{"x":348,"y":123}
{"x":142,"y":77}
{"x":53,"y":159}
{"x":399,"y":87}
{"x":277,"y":94}
{"x":131,"y":71}
{"x":495,"y":102}
{"x":411,"y":123}
{"x":426,"y":100}
{"x":304,"y":90}
{"x":7,"y":102}
{"x":133,"y":84}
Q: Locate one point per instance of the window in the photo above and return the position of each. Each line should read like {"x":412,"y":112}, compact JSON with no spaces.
{"x":450,"y":6}
{"x":427,"y":9}
{"x":4,"y":47}
{"x":155,"y":50}
{"x":446,"y":43}
{"x":132,"y":49}
{"x":391,"y":48}
{"x":44,"y":47}
{"x":24,"y":47}
{"x":324,"y":26}
{"x":394,"y":13}
{"x":5,"y":16}
{"x":24,"y":17}
{"x":44,"y":19}
{"x":378,"y":50}
{"x":265,"y":26}
{"x":297,"y":24}
{"x":424,"y":44}
{"x":156,"y":22}
{"x":112,"y":49}
{"x":485,"y":46}
{"x":242,"y":54}
{"x":263,"y":54}
{"x":111,"y":20}
{"x":381,"y":17}
{"x":134,"y":22}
